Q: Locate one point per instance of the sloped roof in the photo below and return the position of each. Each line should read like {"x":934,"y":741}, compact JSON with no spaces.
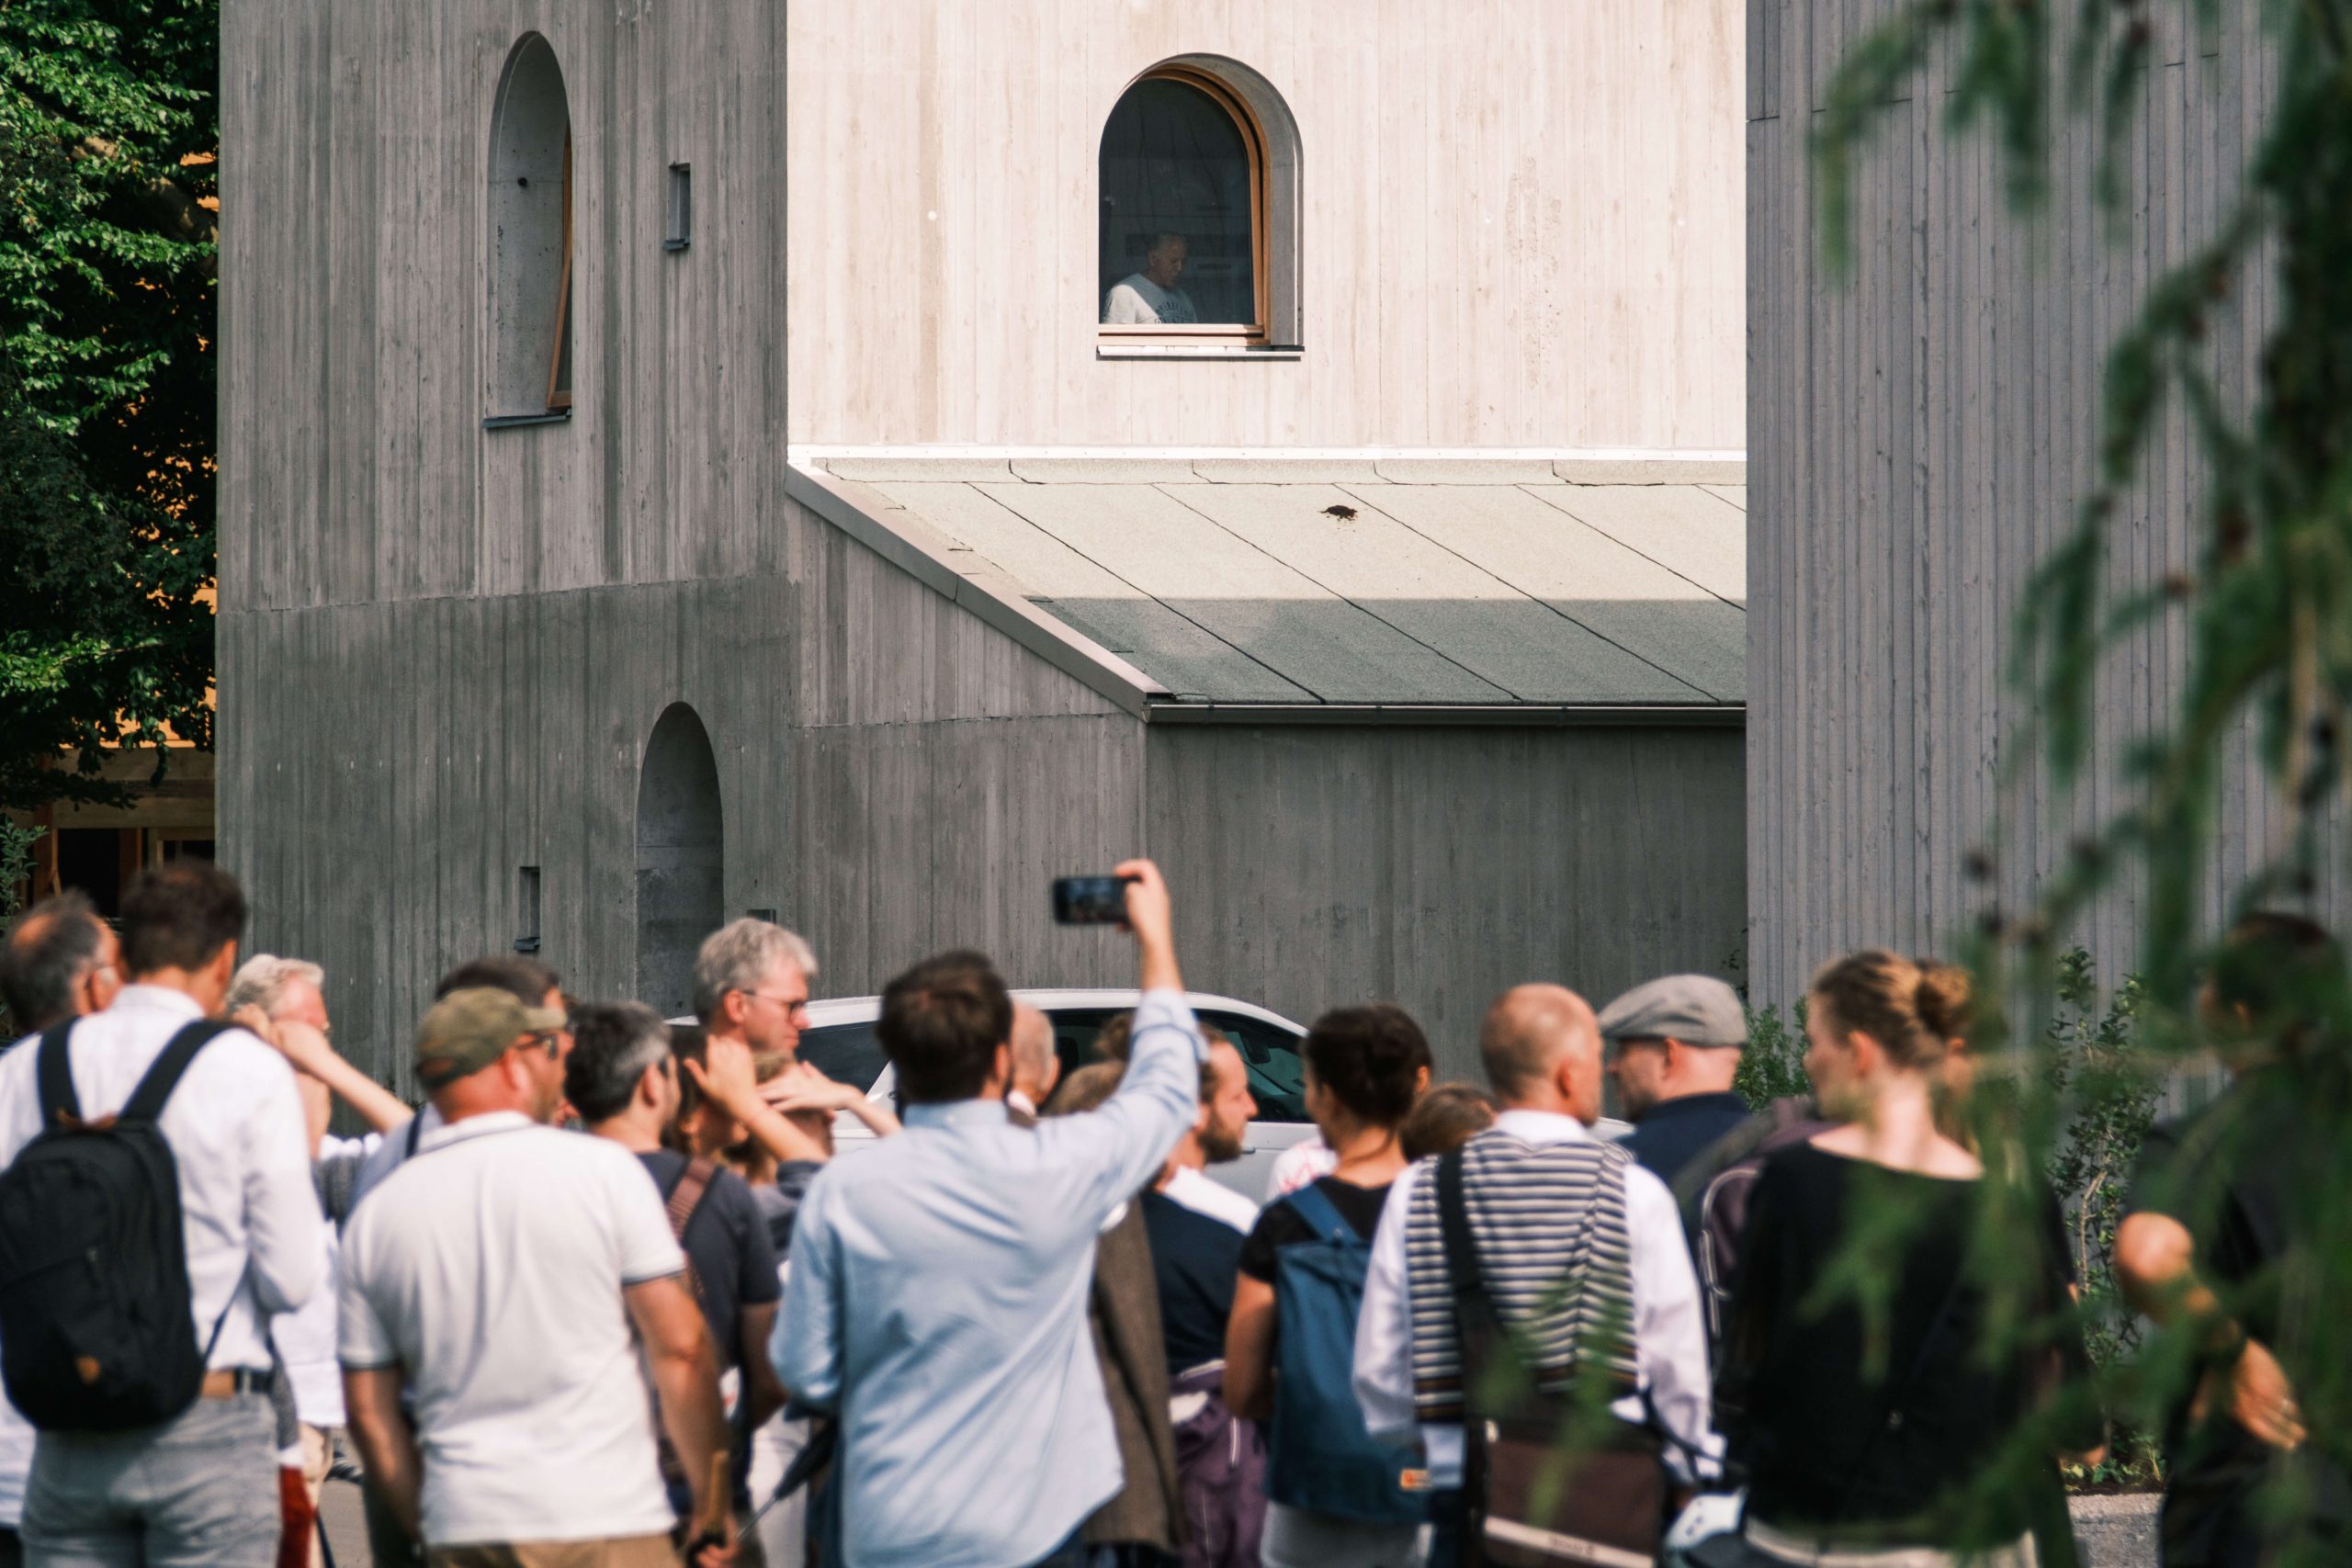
{"x":1300,"y":581}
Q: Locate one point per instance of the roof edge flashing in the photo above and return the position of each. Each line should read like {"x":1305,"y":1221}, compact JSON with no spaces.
{"x":1522,"y":716}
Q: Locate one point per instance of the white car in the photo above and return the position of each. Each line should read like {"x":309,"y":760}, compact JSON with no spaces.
{"x":838,"y":1041}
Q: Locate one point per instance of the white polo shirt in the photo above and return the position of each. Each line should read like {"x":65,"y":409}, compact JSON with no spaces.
{"x":490,"y":1268}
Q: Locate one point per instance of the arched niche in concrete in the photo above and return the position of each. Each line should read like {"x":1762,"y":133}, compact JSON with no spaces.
{"x":527,"y":361}
{"x":681,"y":859}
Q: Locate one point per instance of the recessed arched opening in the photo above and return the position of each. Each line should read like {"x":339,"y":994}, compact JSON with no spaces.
{"x":681,"y":859}
{"x":530,"y":352}
{"x":1198,"y":208}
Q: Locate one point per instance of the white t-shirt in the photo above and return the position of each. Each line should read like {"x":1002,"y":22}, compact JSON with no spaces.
{"x":305,"y":1337}
{"x":489,"y":1268}
{"x":1204,"y":1196}
{"x":1136,"y":300}
{"x":1309,"y":1159}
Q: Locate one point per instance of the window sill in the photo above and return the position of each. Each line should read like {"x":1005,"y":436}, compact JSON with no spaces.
{"x":515,"y":421}
{"x":1194,"y":351}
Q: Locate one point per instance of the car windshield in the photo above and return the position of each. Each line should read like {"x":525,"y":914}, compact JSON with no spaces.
{"x":1277,"y":1077}
{"x":846,"y":1053}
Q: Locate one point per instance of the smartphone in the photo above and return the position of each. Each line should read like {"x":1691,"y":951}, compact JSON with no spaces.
{"x":1090,"y":900}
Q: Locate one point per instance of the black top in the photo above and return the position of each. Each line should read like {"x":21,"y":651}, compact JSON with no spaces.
{"x":1862,"y":1423}
{"x":1279,"y":1224}
{"x":728,"y":1243}
{"x":1192,"y":1262}
{"x":2232,"y":1174}
{"x":1672,"y":1131}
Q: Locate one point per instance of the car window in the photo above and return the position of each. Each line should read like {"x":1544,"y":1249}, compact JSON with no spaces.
{"x":1074,"y":1032}
{"x":1277,"y":1073}
{"x":846,"y":1053}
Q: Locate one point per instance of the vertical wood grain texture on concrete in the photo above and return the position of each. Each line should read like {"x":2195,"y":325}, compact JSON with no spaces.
{"x":1519,"y":221}
{"x":1919,"y":439}
{"x":1316,"y":866}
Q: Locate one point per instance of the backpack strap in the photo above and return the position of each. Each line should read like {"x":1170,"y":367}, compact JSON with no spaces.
{"x":1322,"y":1215}
{"x":415,"y":1133}
{"x":59,"y":1105}
{"x":146,"y":1101}
{"x":684,"y":1199}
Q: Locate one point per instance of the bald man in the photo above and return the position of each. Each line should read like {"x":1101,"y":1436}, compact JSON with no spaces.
{"x":1035,"y":1069}
{"x":1541,"y":1045}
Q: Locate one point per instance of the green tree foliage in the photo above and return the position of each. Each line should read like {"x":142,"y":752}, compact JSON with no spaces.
{"x":2263,"y":626}
{"x":109,"y":136}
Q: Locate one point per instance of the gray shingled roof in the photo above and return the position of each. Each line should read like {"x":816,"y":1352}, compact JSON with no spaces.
{"x":1426,"y":580}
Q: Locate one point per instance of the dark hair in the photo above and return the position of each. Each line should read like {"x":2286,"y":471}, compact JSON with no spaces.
{"x":179,"y":917}
{"x":613,"y":1043}
{"x":1444,"y":1119}
{"x":527,"y":980}
{"x":1113,"y":1041}
{"x":1371,"y":1058}
{"x":2285,"y":971}
{"x":48,"y":949}
{"x":689,"y":1043}
{"x":942,"y":1021}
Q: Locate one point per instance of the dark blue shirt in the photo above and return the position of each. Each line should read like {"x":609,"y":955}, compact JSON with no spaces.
{"x":1672,"y":1131}
{"x":1194,"y":1261}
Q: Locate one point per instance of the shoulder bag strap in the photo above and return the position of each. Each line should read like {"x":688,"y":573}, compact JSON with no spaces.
{"x":687,"y":1197}
{"x":54,"y":1069}
{"x":1321,"y":1215}
{"x":415,"y":1133}
{"x":693,"y":1185}
{"x":1474,"y":1329}
{"x":146,"y":1101}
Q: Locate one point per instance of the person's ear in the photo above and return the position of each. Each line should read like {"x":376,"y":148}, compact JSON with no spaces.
{"x":1420,"y":1082}
{"x":224,"y":962}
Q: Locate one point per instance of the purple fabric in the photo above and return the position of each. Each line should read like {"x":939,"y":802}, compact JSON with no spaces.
{"x":1220,"y":1476}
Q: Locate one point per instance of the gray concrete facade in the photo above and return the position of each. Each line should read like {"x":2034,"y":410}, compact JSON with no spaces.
{"x":445,"y":648}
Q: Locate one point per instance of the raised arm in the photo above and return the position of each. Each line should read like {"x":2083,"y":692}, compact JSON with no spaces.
{"x":1111,"y":1152}
{"x":309,"y":1052}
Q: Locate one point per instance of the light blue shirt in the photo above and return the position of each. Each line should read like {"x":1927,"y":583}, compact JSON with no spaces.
{"x":937,"y":1304}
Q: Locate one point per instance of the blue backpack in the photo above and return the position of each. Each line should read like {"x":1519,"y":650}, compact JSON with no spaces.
{"x":1320,"y":1457}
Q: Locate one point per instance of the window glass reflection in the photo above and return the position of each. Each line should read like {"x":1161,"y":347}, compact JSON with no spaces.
{"x":1177,"y":209}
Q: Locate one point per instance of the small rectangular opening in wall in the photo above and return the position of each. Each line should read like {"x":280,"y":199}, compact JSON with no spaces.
{"x":767,"y":915}
{"x":681,"y":232}
{"x":526,"y":908}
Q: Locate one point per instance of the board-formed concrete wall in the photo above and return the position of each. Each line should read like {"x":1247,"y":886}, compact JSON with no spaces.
{"x":1520,"y":223}
{"x":1318,"y":865}
{"x":1919,"y":439}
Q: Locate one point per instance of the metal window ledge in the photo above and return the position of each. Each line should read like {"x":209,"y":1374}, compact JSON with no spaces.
{"x":516,"y":421}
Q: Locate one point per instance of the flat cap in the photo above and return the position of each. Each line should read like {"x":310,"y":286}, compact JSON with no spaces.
{"x":1697,"y":1009}
{"x":470,"y":1029}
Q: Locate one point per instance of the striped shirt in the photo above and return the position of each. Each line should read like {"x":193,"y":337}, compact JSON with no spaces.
{"x":1548,"y":1224}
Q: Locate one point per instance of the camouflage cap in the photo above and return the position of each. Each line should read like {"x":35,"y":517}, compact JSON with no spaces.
{"x":468,"y":1030}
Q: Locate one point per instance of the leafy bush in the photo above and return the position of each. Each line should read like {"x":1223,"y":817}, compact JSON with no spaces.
{"x":1772,"y":1067}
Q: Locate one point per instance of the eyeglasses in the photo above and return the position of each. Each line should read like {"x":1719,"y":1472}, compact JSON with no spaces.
{"x":791,"y":1005}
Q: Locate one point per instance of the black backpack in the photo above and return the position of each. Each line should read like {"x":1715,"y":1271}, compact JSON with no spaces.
{"x":96,"y":1327}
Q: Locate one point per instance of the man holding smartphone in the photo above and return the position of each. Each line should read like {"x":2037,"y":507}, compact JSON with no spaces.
{"x":937,"y":1300}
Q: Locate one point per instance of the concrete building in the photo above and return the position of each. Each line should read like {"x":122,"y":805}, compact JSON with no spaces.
{"x":676,"y":462}
{"x":1920,"y":436}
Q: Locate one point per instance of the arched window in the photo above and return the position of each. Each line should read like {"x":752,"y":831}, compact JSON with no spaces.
{"x":1199,"y":209}
{"x":681,"y":859}
{"x":529,"y":357}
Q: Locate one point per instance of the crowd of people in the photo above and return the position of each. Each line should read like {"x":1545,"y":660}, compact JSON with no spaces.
{"x":609,"y":1298}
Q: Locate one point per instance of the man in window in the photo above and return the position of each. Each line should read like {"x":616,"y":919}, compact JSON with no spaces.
{"x":1150,"y":297}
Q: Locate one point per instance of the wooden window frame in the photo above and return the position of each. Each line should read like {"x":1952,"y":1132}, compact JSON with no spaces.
{"x":1254,"y":141}
{"x":558,"y":395}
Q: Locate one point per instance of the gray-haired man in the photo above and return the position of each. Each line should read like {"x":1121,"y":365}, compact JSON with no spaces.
{"x":1674,"y":1046}
{"x":751,"y":994}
